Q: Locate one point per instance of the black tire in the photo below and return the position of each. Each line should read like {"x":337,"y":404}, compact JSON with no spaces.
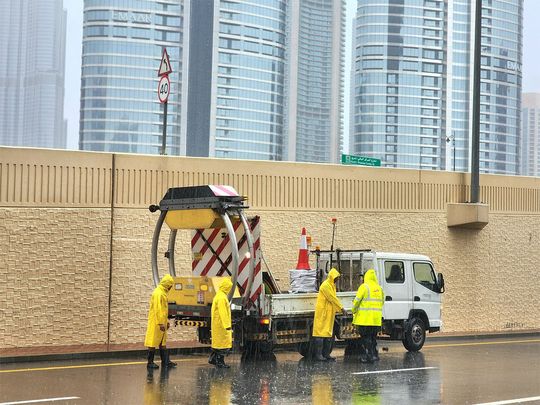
{"x":257,"y":351}
{"x":204,"y":335}
{"x":259,"y":347}
{"x":415,"y":335}
{"x":266,"y":346}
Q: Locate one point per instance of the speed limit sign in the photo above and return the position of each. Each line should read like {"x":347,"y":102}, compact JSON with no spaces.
{"x":164,"y":88}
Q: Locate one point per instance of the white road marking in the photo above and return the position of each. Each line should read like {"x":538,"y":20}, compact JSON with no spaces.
{"x":396,"y":370}
{"x":510,"y":401}
{"x":35,"y":401}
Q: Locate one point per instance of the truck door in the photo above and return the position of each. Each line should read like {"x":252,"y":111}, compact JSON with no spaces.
{"x":397,"y":287}
{"x":425,"y":292}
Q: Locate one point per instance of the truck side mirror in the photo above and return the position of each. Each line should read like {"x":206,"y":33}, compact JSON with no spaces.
{"x":440,"y":282}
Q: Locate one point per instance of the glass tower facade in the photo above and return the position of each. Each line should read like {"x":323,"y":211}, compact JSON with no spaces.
{"x":530,"y":135}
{"x":122,"y":49}
{"x":32,"y":56}
{"x":315,"y":63}
{"x":249,"y":80}
{"x":230,"y":97}
{"x":412,"y":80}
{"x":500,"y":109}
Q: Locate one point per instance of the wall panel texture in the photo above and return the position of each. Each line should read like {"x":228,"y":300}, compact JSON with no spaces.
{"x":75,"y":236}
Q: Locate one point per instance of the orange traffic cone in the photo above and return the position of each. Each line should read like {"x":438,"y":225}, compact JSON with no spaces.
{"x":303,"y":258}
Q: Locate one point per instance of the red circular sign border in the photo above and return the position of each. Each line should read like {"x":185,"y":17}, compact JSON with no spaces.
{"x":166,"y":77}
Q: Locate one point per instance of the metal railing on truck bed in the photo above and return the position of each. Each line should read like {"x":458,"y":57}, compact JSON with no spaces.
{"x":301,"y":304}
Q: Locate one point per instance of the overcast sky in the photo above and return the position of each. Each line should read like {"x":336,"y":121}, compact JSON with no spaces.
{"x":531,"y":59}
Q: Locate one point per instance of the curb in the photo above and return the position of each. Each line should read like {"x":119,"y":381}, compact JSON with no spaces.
{"x":484,"y":335}
{"x":117,"y":354}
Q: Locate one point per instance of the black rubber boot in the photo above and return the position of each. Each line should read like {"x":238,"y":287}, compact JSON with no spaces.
{"x":317,"y":344}
{"x":220,"y":361}
{"x":165,"y":360}
{"x":150,"y":357}
{"x":212,"y":358}
{"x":363,"y":349}
{"x":375,"y":350}
{"x":370,"y":350}
{"x":327,"y":349}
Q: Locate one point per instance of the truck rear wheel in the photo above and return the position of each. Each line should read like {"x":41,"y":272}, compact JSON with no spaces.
{"x":258,"y":347}
{"x":415,"y":335}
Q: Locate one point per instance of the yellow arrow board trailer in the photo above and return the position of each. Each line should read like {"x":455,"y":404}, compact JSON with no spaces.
{"x":226,"y":243}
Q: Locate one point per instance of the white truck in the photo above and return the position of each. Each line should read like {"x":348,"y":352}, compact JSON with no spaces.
{"x":226,"y":243}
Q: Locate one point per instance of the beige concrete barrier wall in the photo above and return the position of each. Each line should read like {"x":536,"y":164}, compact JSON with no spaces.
{"x":55,"y":226}
{"x":75,"y":236}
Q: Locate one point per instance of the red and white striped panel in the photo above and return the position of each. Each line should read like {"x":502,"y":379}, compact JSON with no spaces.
{"x":224,"y":191}
{"x":216,"y":259}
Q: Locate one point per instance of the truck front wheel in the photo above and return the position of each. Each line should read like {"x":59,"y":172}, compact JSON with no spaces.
{"x":415,"y":335}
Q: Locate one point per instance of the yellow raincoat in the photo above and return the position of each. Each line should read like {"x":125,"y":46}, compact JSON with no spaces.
{"x":326,"y":307}
{"x":369,"y":301}
{"x":221,"y":317}
{"x":158,"y":314}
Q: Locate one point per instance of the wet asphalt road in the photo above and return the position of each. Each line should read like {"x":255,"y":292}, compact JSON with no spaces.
{"x":445,"y":371}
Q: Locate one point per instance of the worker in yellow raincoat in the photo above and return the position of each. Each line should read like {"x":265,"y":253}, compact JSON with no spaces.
{"x":323,"y":323}
{"x":367,"y":315}
{"x":221,"y":325}
{"x":156,"y":331}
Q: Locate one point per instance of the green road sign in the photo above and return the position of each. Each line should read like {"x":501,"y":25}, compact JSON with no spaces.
{"x":359,"y":160}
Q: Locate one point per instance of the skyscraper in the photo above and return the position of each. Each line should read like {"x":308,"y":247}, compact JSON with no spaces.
{"x":230,"y":96}
{"x":122,"y":48}
{"x":235,"y":79}
{"x":314,"y":80}
{"x":530,"y":135}
{"x":413,"y":72}
{"x":32,"y":48}
{"x":273,"y":89}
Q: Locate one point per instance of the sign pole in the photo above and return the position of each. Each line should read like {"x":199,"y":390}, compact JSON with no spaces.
{"x":164,"y":89}
{"x":164,"y":137}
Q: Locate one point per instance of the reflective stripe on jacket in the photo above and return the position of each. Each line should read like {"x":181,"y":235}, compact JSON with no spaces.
{"x":369,"y":301}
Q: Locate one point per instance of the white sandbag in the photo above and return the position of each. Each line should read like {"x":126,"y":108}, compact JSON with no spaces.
{"x":303,"y":281}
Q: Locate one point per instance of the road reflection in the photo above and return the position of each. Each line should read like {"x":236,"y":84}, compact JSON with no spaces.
{"x":453,"y":373}
{"x":265,"y":382}
{"x":155,"y":388}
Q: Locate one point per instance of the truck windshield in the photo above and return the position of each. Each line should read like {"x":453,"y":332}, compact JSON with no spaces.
{"x":424,"y":275}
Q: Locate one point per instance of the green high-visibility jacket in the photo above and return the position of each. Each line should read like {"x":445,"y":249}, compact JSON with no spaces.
{"x":368,"y":303}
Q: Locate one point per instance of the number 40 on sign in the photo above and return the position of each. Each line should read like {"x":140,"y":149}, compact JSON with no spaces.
{"x":164,"y":88}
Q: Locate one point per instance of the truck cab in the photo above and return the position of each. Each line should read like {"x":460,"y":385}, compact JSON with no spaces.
{"x":412,"y":289}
